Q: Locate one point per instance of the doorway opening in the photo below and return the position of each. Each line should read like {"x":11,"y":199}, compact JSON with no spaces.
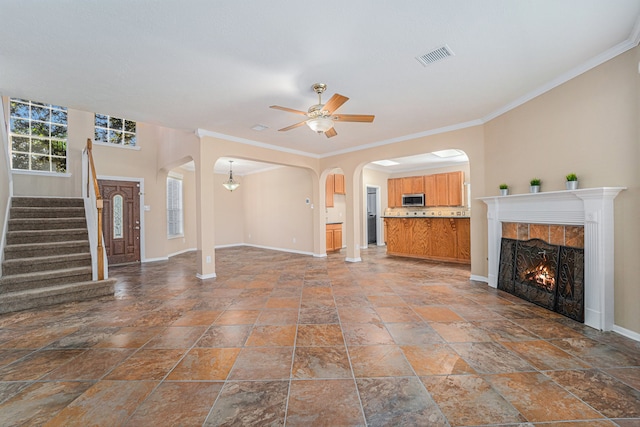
{"x":373,"y":216}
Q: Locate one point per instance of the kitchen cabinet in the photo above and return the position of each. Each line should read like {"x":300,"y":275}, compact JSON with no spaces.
{"x":413,"y":185}
{"x":338,"y":184}
{"x":334,"y":237}
{"x":430,"y":190}
{"x":394,"y":192}
{"x":440,"y":239}
{"x":329,"y":191}
{"x":441,"y":189}
{"x":455,"y":181}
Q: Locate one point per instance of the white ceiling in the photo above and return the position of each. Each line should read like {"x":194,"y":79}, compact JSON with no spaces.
{"x":218,"y":65}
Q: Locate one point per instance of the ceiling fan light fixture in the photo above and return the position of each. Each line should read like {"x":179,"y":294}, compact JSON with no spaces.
{"x":320,"y":124}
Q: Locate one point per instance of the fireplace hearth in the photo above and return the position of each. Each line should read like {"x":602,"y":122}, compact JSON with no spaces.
{"x":551,"y":276}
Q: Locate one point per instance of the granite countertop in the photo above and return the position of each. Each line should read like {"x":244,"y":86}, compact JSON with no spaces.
{"x":426,"y":215}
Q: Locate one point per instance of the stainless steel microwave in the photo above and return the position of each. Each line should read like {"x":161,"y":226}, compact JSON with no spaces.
{"x":413,"y":200}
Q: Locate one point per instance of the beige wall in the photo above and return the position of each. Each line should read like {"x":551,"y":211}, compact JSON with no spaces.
{"x":275,"y":212}
{"x":230,"y":211}
{"x":589,"y":126}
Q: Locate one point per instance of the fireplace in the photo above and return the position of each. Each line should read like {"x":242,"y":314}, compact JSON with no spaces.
{"x":590,"y":208}
{"x":550,"y":276}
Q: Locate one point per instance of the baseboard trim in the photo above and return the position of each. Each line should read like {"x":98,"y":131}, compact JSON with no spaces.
{"x":479,"y":278}
{"x":626,"y":332}
{"x":293,"y":251}
{"x":181,"y":252}
{"x":358,"y":259}
{"x":165,"y":258}
{"x":206,"y":276}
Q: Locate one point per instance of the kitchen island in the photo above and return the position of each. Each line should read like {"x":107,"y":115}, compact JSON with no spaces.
{"x":435,"y":238}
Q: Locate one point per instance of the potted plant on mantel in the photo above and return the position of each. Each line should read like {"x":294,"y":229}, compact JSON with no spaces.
{"x":572,"y":181}
{"x":504,"y":190}
{"x":534,"y":185}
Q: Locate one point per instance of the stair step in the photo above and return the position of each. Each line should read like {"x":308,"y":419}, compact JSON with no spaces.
{"x":46,"y":263}
{"x":46,"y":212}
{"x":46,"y":223}
{"x":46,"y":236}
{"x":34,"y":298}
{"x":44,"y":279}
{"x":34,"y":250}
{"x":47,"y":201}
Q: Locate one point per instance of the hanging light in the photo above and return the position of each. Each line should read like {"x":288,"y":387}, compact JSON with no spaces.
{"x":231,"y":184}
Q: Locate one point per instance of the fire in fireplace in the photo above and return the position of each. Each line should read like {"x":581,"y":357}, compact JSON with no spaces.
{"x":551,"y":276}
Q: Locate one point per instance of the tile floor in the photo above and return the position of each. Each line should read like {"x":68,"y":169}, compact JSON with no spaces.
{"x":284,"y":339}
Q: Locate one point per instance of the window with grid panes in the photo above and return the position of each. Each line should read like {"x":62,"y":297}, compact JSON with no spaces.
{"x":114,"y":130}
{"x":38,"y":136}
{"x":174,"y":207}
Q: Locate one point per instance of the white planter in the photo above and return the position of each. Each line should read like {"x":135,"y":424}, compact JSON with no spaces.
{"x":572,"y":185}
{"x":534,"y":189}
{"x":504,"y":192}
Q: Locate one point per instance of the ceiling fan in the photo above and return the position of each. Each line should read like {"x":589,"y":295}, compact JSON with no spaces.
{"x":320,"y":117}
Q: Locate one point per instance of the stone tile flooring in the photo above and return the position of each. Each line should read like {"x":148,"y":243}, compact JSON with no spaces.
{"x":284,"y":339}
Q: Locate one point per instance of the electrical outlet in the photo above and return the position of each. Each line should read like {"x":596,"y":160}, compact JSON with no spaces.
{"x":208,"y":260}
{"x":294,"y":240}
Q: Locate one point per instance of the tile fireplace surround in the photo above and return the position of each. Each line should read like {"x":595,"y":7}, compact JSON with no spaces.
{"x":589,"y":207}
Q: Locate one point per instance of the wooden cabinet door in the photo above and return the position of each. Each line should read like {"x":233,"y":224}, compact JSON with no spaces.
{"x":442,"y":190}
{"x":391,"y":193}
{"x":329,"y":190}
{"x":463,"y":230}
{"x":417,"y":185}
{"x":337,"y":238}
{"x":394,"y":192}
{"x":454,"y":188}
{"x":430,"y":193}
{"x":338,"y":185}
{"x":329,"y":240}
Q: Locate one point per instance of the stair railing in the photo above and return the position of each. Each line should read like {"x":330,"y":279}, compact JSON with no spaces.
{"x":92,"y":191}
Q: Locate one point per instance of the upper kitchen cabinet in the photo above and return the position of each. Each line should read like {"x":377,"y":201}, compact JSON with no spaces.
{"x":413,"y":185}
{"x":394,"y":192}
{"x":442,"y":189}
{"x":455,"y":181}
{"x":329,"y":190}
{"x":335,"y":185}
{"x":338,"y":184}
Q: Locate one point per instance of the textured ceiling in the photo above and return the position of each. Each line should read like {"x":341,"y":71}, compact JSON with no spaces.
{"x":218,"y":65}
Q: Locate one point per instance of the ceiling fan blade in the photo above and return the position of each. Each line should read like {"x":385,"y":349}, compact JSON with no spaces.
{"x":331,"y":132}
{"x":353,"y":117}
{"x":292,"y":126}
{"x":290,"y":110}
{"x":334,"y":103}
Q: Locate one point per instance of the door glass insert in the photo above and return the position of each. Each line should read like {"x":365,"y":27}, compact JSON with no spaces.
{"x":117,"y":216}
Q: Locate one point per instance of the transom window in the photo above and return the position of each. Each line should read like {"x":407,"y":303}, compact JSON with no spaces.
{"x":38,"y":134}
{"x":114,"y":130}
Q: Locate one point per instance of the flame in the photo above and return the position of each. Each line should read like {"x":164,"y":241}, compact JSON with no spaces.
{"x":542,"y":276}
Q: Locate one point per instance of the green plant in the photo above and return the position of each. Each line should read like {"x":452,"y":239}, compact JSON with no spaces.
{"x":572,"y":177}
{"x":535,"y":181}
{"x":503,"y":186}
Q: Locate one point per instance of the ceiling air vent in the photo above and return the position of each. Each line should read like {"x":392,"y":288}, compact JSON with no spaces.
{"x":435,"y":55}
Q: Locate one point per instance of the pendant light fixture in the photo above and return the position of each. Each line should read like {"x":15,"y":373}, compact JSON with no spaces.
{"x":230,"y":184}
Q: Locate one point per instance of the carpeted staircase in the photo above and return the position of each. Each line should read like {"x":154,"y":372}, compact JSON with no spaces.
{"x":47,"y":259}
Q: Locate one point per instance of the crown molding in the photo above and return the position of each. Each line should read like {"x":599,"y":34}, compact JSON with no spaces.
{"x":202,"y":133}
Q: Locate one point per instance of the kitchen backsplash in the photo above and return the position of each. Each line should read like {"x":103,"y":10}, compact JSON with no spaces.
{"x":428,"y":212}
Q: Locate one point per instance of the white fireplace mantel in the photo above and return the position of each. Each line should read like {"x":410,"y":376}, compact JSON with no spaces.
{"x":589,"y":207}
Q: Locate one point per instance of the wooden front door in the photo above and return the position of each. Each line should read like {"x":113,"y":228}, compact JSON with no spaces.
{"x":121,"y":220}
